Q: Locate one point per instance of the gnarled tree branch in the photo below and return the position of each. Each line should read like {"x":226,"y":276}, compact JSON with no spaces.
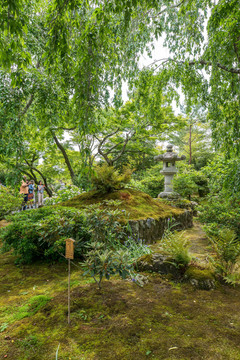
{"x":66,"y":158}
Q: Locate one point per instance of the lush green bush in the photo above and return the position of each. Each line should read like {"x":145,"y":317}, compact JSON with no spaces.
{"x":221,"y":212}
{"x":9,"y":201}
{"x":63,"y":194}
{"x":106,"y":179}
{"x":190,"y":181}
{"x":152,"y":185}
{"x":40,"y":233}
{"x":111,"y":249}
{"x":201,"y":181}
{"x":224,"y":176}
{"x":149,"y":181}
{"x":185,"y":185}
{"x":103,"y":222}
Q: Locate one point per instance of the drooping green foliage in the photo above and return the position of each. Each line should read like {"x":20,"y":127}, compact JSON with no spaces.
{"x":224,"y":175}
{"x":76,"y":52}
{"x":204,"y":41}
{"x":92,"y":45}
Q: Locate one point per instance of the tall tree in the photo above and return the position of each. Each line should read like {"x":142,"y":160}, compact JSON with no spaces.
{"x":203,"y":37}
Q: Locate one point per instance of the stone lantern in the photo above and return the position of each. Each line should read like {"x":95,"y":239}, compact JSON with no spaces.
{"x":169,"y":170}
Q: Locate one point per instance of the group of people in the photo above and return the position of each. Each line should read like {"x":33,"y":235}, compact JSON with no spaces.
{"x":33,"y":194}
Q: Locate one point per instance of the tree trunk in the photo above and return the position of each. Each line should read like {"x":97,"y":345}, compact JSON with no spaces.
{"x":66,"y":158}
{"x":190,"y":144}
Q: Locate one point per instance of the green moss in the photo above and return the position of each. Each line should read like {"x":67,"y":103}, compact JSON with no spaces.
{"x":198,"y":274}
{"x":121,"y":320}
{"x":34,"y":304}
{"x":146,"y":259}
{"x":136,"y":203}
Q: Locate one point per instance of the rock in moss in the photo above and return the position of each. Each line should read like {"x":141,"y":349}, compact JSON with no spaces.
{"x":200,"y":278}
{"x":159,"y":263}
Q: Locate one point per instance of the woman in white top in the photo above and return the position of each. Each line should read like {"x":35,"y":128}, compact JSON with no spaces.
{"x":40,"y":189}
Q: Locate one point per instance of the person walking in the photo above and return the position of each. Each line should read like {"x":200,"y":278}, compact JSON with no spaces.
{"x":40,"y":189}
{"x":24,"y":191}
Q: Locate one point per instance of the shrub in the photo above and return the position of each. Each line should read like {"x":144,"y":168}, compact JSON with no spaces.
{"x":149,"y":181}
{"x":103,"y":223}
{"x":102,"y":261}
{"x":185,"y":185}
{"x":40,"y":233}
{"x":111,"y":249}
{"x":150,"y":185}
{"x":9,"y":201}
{"x":106,"y":178}
{"x":221,"y":212}
{"x":189,"y":181}
{"x":63,"y":194}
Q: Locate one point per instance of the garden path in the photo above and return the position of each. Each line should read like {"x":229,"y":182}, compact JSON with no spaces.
{"x":199,"y":243}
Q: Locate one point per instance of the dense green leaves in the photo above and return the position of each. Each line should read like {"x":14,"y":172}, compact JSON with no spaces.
{"x":39,"y":234}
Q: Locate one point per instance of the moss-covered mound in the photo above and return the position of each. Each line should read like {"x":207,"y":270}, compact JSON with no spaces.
{"x":137,"y":204}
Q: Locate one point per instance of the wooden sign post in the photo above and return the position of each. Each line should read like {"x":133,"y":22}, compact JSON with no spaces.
{"x":69,"y":255}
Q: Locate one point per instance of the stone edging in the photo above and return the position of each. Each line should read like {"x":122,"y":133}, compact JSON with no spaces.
{"x":151,"y":229}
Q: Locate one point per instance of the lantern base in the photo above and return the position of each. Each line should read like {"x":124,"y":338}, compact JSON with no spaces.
{"x":169,"y":195}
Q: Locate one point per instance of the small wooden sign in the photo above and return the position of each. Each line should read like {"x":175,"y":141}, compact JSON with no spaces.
{"x":69,"y":248}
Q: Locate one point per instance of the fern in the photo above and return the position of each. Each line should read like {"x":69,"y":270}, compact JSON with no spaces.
{"x":106,"y":178}
{"x":226,"y":249}
{"x":174,"y":244}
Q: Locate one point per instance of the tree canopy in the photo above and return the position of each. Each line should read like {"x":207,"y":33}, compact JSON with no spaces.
{"x":63,"y":62}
